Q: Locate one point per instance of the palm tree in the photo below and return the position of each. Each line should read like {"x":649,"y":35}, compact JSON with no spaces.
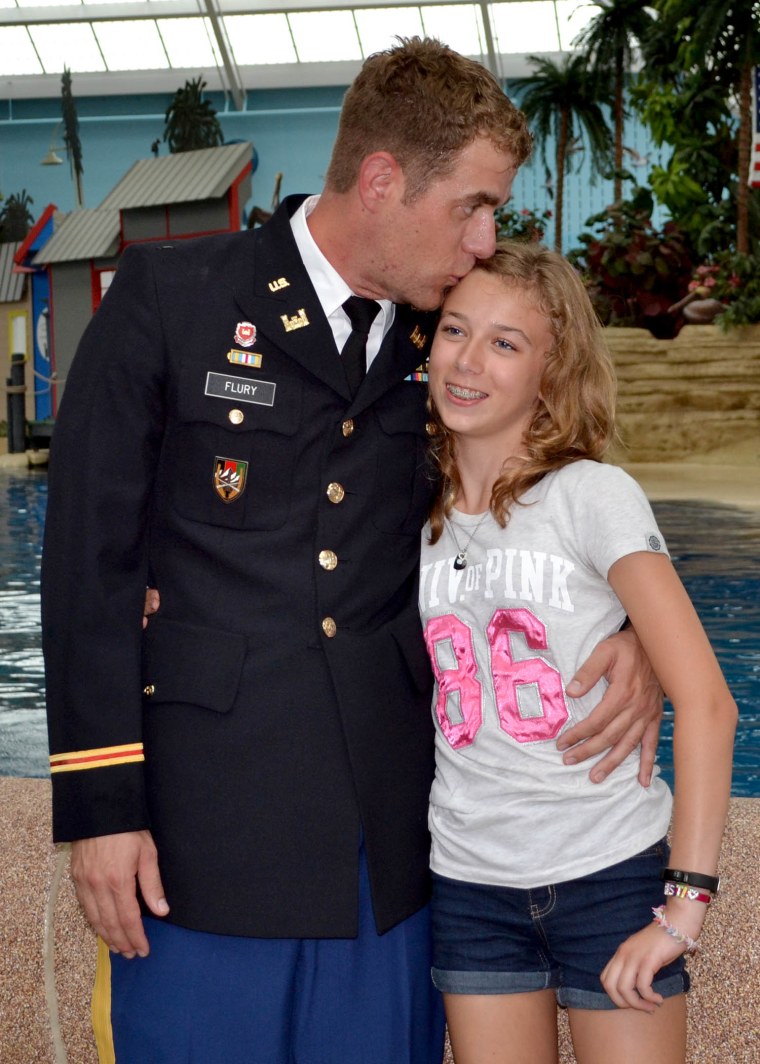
{"x":721,"y":39}
{"x":558,"y":100}
{"x":191,"y":121}
{"x":71,"y":135}
{"x":610,"y":42}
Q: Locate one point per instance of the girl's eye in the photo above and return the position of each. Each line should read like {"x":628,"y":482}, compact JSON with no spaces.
{"x":505,"y":345}
{"x":451,"y":330}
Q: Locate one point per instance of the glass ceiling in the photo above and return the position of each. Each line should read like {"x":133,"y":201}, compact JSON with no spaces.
{"x":40,"y":37}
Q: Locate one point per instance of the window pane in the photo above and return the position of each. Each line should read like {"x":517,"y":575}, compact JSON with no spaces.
{"x":324,"y":36}
{"x":260,"y":39}
{"x":188,"y":42}
{"x":16,"y":52}
{"x":378,"y":27}
{"x":573,"y":18}
{"x":69,"y":44}
{"x":460,"y":27}
{"x":525,"y":27}
{"x":131,"y":45}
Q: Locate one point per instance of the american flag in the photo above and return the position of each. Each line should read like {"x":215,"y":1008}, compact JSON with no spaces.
{"x":754,"y":162}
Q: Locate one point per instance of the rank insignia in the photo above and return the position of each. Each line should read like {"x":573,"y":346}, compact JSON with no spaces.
{"x":420,"y":374}
{"x":245,"y":334}
{"x":230,"y":476}
{"x":244,"y":358}
{"x":296,"y":321}
{"x":418,"y":339}
{"x":281,"y":282}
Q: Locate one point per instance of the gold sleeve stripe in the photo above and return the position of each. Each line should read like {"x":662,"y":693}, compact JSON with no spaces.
{"x":99,"y":758}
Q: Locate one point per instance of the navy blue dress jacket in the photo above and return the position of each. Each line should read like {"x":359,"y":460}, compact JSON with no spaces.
{"x":278,"y":705}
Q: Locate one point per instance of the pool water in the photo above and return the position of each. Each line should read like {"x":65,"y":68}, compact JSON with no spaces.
{"x":715,"y":548}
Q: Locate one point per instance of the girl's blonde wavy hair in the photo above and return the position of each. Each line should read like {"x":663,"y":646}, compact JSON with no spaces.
{"x":575,"y":412}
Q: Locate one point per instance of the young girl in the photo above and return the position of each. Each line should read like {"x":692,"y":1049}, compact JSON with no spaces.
{"x":544,"y":883}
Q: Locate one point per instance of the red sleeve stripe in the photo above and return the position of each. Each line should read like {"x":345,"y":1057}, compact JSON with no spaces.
{"x":102,"y":757}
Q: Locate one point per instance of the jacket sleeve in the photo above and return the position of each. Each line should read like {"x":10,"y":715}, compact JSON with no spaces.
{"x":104,"y":453}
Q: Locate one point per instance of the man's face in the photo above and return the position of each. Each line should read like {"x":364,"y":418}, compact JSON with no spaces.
{"x":428,"y":245}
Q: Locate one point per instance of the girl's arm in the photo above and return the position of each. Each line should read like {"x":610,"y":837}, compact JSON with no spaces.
{"x":705,"y":721}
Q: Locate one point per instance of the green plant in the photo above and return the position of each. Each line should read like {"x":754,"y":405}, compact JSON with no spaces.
{"x":734,"y":279}
{"x":191,"y":121}
{"x":558,"y":99}
{"x":696,"y":97}
{"x":610,"y":42}
{"x":71,"y":135}
{"x":15,"y":217}
{"x":525,"y":225}
{"x":633,"y":271}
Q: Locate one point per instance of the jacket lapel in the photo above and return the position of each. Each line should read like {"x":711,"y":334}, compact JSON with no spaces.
{"x":273,"y":290}
{"x":404,"y":349}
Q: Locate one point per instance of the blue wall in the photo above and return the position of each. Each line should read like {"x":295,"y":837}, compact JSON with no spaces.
{"x":292,"y":131}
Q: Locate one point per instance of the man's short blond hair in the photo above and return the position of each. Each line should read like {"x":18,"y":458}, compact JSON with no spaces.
{"x":423,"y":103}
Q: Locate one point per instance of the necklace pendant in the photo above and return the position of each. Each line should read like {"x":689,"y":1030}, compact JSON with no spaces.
{"x":460,"y":562}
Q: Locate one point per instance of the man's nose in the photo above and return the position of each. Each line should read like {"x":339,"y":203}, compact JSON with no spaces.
{"x":480,"y":239}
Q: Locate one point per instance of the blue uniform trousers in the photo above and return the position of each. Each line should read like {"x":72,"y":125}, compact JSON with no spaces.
{"x":214,"y":999}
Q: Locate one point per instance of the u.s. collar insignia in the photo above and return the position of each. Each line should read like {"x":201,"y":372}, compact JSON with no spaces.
{"x":230,"y":475}
{"x":420,"y":374}
{"x":296,"y":321}
{"x":244,"y":358}
{"x":281,"y":282}
{"x":245,"y":334}
{"x":418,"y":339}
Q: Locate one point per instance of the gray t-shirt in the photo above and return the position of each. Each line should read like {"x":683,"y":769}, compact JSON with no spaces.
{"x":505,"y":635}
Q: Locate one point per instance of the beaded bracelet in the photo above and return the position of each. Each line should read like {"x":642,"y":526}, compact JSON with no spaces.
{"x":681,"y":890}
{"x":661,"y":919}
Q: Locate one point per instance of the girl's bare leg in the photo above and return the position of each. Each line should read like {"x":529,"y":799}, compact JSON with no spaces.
{"x":503,"y":1028}
{"x":631,"y":1036}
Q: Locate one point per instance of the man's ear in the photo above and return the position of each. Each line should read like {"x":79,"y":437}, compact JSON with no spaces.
{"x":381,"y":180}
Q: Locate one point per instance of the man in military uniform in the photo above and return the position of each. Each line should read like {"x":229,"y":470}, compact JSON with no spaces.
{"x":252,"y":770}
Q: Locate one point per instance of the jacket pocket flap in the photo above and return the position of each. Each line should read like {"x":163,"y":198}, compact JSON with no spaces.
{"x":190,"y":664}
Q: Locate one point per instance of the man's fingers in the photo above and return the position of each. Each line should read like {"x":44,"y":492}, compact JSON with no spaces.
{"x":151,"y":886}
{"x":105,"y":872}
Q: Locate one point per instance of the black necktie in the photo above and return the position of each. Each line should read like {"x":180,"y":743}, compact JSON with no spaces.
{"x":361,"y":313}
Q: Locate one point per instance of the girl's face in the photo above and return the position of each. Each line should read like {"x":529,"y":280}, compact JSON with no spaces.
{"x":487,"y":360}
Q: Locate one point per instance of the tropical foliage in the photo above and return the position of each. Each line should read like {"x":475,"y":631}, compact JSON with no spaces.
{"x":696,"y":98}
{"x":610,"y":42}
{"x":15,"y":217}
{"x":634,"y":272}
{"x":71,"y":135}
{"x":190,"y":121}
{"x":527,"y":225}
{"x":563,"y":105}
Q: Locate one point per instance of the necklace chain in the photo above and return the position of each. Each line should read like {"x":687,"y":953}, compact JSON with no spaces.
{"x":460,"y":562}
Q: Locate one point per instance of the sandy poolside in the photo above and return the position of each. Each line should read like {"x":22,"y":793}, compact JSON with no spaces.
{"x":730,"y":475}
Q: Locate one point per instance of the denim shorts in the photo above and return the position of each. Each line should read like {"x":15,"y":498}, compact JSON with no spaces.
{"x":504,"y":940}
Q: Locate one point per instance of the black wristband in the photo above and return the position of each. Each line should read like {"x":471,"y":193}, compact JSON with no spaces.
{"x":693,"y":879}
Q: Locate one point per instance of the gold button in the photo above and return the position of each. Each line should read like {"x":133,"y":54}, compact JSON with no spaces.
{"x":329,"y":627}
{"x":336,"y":492}
{"x":236,"y":416}
{"x":328,"y":559}
{"x":149,"y":690}
{"x":431,"y":428}
{"x":348,"y":426}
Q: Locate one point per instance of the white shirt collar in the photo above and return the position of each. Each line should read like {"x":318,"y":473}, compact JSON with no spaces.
{"x":332,"y":291}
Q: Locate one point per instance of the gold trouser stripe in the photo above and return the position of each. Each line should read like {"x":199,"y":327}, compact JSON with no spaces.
{"x":101,"y":1006}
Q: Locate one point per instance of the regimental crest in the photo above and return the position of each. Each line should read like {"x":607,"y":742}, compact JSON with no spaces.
{"x":230,"y":476}
{"x":245,"y":334}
